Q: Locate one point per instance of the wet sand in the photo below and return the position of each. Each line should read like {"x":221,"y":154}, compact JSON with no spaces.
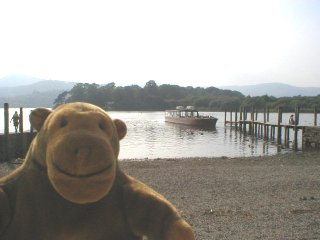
{"x":273,"y":197}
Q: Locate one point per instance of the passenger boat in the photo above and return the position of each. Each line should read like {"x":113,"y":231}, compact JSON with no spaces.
{"x":189,"y":116}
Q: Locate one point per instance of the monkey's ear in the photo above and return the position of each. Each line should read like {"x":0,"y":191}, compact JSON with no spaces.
{"x":121,"y":128}
{"x":38,"y":116}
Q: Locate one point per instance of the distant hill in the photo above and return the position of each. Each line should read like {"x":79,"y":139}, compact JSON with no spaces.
{"x":37,"y":94}
{"x":274,"y":89}
{"x":35,"y":99}
{"x":15,"y":80}
{"x":42,"y":86}
{"x":25,"y":91}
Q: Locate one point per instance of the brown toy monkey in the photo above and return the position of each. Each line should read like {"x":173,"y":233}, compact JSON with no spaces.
{"x":70,"y":186}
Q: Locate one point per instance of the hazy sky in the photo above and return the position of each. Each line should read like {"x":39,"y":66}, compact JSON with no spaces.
{"x":197,"y":43}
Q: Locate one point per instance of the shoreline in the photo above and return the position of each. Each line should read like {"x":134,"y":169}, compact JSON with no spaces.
{"x":263,"y":197}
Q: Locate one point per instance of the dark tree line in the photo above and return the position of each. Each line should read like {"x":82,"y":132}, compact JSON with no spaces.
{"x":287,"y":104}
{"x":154,"y":97}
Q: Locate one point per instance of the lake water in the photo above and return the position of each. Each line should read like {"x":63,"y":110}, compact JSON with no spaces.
{"x":150,"y":137}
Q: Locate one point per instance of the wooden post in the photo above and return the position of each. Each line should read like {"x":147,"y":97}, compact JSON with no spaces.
{"x":252,"y":120}
{"x":286,"y":136}
{"x":268,"y":120}
{"x":296,"y":122}
{"x":230,"y":118}
{"x":279,"y":126}
{"x":22,"y":138}
{"x":245,"y":112}
{"x":264,"y":123}
{"x":274,"y":132}
{"x":315,"y":116}
{"x":6,"y":118}
{"x":225,"y":117}
{"x":240,"y":122}
{"x":256,"y":124}
{"x":6,"y":132}
{"x":21,"y":120}
{"x":236,"y":119}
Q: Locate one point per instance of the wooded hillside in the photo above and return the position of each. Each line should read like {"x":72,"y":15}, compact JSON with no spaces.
{"x":166,"y":96}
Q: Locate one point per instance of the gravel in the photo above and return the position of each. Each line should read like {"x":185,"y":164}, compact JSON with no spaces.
{"x":273,"y":197}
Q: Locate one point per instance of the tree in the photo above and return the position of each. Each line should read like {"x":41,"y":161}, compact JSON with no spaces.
{"x":154,"y":97}
{"x":61,"y":99}
{"x":151,"y":88}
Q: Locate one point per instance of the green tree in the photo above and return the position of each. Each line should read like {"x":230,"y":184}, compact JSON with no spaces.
{"x":61,"y":99}
{"x":154,"y":97}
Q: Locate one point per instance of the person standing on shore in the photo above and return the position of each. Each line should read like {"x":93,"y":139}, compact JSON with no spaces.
{"x":15,"y":118}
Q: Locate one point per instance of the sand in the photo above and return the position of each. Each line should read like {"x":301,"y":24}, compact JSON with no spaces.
{"x":273,"y":197}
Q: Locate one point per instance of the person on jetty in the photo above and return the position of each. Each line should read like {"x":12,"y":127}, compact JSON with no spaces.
{"x":15,"y":118}
{"x":291,"y":120}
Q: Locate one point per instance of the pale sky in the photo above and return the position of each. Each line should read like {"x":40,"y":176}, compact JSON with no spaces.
{"x":183,"y":42}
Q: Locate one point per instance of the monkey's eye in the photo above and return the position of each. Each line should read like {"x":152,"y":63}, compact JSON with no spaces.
{"x":102,"y":126}
{"x":63,"y":122}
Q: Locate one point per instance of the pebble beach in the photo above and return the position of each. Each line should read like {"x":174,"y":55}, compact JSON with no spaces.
{"x":269,"y":197}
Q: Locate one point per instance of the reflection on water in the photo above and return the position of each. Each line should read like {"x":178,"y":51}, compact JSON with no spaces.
{"x":149,"y":136}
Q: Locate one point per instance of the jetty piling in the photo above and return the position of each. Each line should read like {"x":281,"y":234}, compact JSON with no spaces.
{"x":21,"y":120}
{"x":6,"y":131}
{"x":279,"y":126}
{"x":278,"y":130}
{"x":236,"y":119}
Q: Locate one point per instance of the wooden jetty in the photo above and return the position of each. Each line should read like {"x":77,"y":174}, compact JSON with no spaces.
{"x":14,"y":145}
{"x":274,"y":131}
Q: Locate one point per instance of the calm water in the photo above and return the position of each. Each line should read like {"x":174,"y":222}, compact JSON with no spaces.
{"x":150,"y":137}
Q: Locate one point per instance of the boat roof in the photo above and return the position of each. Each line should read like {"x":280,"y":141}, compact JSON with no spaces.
{"x":182,"y":110}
